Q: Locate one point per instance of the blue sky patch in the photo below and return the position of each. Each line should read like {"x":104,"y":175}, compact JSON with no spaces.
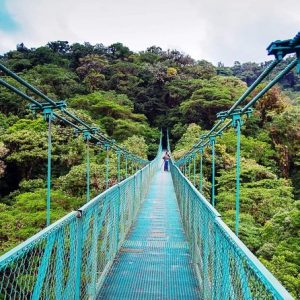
{"x":7,"y":23}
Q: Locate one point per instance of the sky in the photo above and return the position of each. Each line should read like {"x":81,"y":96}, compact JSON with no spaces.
{"x":215,"y":30}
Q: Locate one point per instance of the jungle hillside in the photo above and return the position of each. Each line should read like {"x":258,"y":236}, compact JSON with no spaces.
{"x":132,"y":96}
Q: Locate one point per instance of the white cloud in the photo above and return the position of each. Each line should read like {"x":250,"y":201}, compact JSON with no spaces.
{"x":216,"y":30}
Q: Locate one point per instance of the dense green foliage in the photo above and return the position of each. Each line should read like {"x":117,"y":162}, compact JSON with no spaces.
{"x":130,"y":96}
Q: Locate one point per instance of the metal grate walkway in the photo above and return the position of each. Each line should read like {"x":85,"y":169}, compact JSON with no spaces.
{"x":154,"y":261}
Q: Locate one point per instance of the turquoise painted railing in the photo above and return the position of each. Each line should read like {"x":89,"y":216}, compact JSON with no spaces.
{"x":70,"y":258}
{"x":225,"y":267}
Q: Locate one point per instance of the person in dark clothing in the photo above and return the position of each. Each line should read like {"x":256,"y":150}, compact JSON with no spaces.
{"x":166,"y":159}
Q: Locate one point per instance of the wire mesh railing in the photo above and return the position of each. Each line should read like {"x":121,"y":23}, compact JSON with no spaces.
{"x":70,"y":258}
{"x":225,"y":267}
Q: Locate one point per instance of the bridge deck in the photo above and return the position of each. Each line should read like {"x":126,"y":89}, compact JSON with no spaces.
{"x":154,"y":261}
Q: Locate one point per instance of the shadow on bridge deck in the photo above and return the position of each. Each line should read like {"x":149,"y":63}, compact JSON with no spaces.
{"x":154,"y":261}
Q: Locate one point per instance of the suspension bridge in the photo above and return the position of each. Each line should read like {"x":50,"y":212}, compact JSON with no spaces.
{"x":152,"y":235}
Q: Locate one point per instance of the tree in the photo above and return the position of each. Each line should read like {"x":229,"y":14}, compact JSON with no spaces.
{"x":92,"y":69}
{"x":171,"y":72}
{"x":74,"y":183}
{"x":10,"y":103}
{"x":118,"y":51}
{"x":273,"y":102}
{"x":285,"y":134}
{"x":28,"y":215}
{"x":188,"y":139}
{"x":280,"y":251}
{"x":44,"y":55}
{"x":61,"y":47}
{"x":22,"y":48}
{"x":179,"y":90}
{"x":3,"y":152}
{"x":27,"y":146}
{"x":224,"y":71}
{"x":261,"y":191}
{"x":124,"y":78}
{"x":214,"y":95}
{"x":201,"y":70}
{"x":247,"y":72}
{"x":78,"y":51}
{"x":137,"y":145}
{"x":56,"y":82}
{"x":18,"y":61}
{"x":252,"y":148}
{"x":102,"y":104}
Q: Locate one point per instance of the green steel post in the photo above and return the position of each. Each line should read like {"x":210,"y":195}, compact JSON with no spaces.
{"x":107,"y":165}
{"x":212,"y":140}
{"x":129,"y":166}
{"x":201,"y":170}
{"x":237,"y":122}
{"x":189,"y":169}
{"x":49,"y":173}
{"x":126,"y":165}
{"x":87,"y":137}
{"x":194,"y":170}
{"x":48,"y":116}
{"x":100,"y":174}
{"x":119,"y":163}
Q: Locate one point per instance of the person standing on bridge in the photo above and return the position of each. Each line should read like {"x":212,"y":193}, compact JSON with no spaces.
{"x":166,"y":159}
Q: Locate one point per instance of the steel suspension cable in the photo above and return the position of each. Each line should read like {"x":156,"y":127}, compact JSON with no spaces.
{"x":201,"y":170}
{"x":87,"y":168}
{"x":212,"y":143}
{"x":106,"y":166}
{"x":48,"y":117}
{"x":119,"y":165}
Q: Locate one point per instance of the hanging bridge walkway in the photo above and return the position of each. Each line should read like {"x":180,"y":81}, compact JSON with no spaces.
{"x":152,"y":235}
{"x":154,"y":262}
